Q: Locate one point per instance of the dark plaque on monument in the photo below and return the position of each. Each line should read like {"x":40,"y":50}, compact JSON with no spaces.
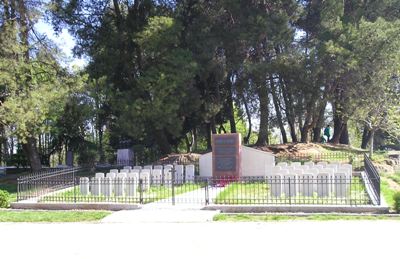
{"x":226,"y":155}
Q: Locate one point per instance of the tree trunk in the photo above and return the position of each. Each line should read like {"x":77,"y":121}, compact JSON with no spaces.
{"x":188,"y":144}
{"x":277,"y":109}
{"x":194,"y":139}
{"x":344,"y":137}
{"x":371,"y":144}
{"x":320,"y":124}
{"x":340,"y":131}
{"x":290,"y":115}
{"x":317,"y":134}
{"x":305,"y":133}
{"x":231,"y":111}
{"x":32,"y":154}
{"x":365,"y":137}
{"x":248,"y":114}
{"x":208,"y":136}
{"x":264,"y":113}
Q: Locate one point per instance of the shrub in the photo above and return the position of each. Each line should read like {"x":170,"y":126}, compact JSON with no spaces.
{"x":4,"y":199}
{"x":396,"y":198}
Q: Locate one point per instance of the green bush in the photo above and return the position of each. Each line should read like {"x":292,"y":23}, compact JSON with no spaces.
{"x":4,"y":199}
{"x":396,"y":198}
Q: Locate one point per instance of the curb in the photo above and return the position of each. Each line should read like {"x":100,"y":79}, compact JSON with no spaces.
{"x":75,"y":206}
{"x":298,"y":209}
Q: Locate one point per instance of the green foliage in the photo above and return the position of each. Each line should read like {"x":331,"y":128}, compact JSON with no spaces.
{"x":162,"y":72}
{"x":4,"y":199}
{"x":396,"y":198}
{"x":88,"y":155}
{"x":52,"y":216}
{"x":313,"y":217}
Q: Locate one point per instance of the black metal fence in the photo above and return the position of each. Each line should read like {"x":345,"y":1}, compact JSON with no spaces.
{"x":64,"y":186}
{"x":373,"y":177}
{"x":355,"y":159}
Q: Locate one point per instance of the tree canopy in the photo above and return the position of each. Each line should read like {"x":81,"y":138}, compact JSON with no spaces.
{"x":162,"y":76}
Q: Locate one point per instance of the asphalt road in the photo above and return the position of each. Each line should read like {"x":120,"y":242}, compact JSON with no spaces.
{"x":294,"y":239}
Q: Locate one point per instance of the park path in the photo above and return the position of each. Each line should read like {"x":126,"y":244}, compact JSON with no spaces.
{"x":292,"y":239}
{"x":188,"y":208}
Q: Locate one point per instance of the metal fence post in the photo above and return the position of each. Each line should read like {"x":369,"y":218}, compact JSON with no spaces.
{"x":173,"y":170}
{"x":74,"y":183}
{"x":141,"y":191}
{"x":18,"y":190}
{"x":207,"y":196}
{"x":290,"y":192}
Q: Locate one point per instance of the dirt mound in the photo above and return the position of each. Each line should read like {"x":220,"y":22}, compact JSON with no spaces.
{"x":190,"y":158}
{"x":293,"y":149}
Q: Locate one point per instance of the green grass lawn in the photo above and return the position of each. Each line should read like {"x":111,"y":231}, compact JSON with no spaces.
{"x":387,"y":193}
{"x":155,"y":193}
{"x":317,"y":217}
{"x":51,"y":216}
{"x":260,"y":193}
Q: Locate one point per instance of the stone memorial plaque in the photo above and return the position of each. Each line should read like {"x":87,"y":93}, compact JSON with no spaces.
{"x":226,"y":155}
{"x":222,"y":150}
{"x":225,"y":164}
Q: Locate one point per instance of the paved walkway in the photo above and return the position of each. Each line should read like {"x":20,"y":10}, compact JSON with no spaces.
{"x":187,"y":209}
{"x":297,"y":239}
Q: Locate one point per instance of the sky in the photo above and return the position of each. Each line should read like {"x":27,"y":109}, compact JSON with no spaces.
{"x":65,"y":41}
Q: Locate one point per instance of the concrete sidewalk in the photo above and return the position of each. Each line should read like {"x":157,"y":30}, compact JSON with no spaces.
{"x":163,"y":214}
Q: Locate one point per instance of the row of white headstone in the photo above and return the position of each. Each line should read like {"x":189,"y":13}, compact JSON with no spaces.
{"x":304,"y":180}
{"x":125,"y":182}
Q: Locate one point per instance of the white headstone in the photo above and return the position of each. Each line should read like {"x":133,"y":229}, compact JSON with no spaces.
{"x":318,"y":167}
{"x":275,"y":182}
{"x":84,"y":185}
{"x":290,"y":185}
{"x":332,"y":166}
{"x":323,"y":163}
{"x":124,"y":171}
{"x":309,"y":163}
{"x":307,"y":185}
{"x":133,"y":175}
{"x":120,"y":185}
{"x":99,"y":175}
{"x":323,"y":184}
{"x":122,"y":174}
{"x":115,"y":171}
{"x":111,"y":175}
{"x":189,"y":174}
{"x":137,"y":167}
{"x":107,"y":186}
{"x":314,"y":171}
{"x":158,"y":167}
{"x":157,"y":177}
{"x":95,"y":186}
{"x":131,"y":184}
{"x":145,"y":177}
{"x":342,"y":184}
{"x":167,"y":178}
{"x":295,"y":164}
{"x":128,"y":167}
{"x":135,"y":171}
{"x":179,"y":174}
{"x":348,"y":168}
{"x":282,"y":164}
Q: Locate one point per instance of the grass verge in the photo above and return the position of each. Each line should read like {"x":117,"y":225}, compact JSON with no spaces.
{"x":387,"y":193}
{"x":316,"y":217}
{"x":51,"y":216}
